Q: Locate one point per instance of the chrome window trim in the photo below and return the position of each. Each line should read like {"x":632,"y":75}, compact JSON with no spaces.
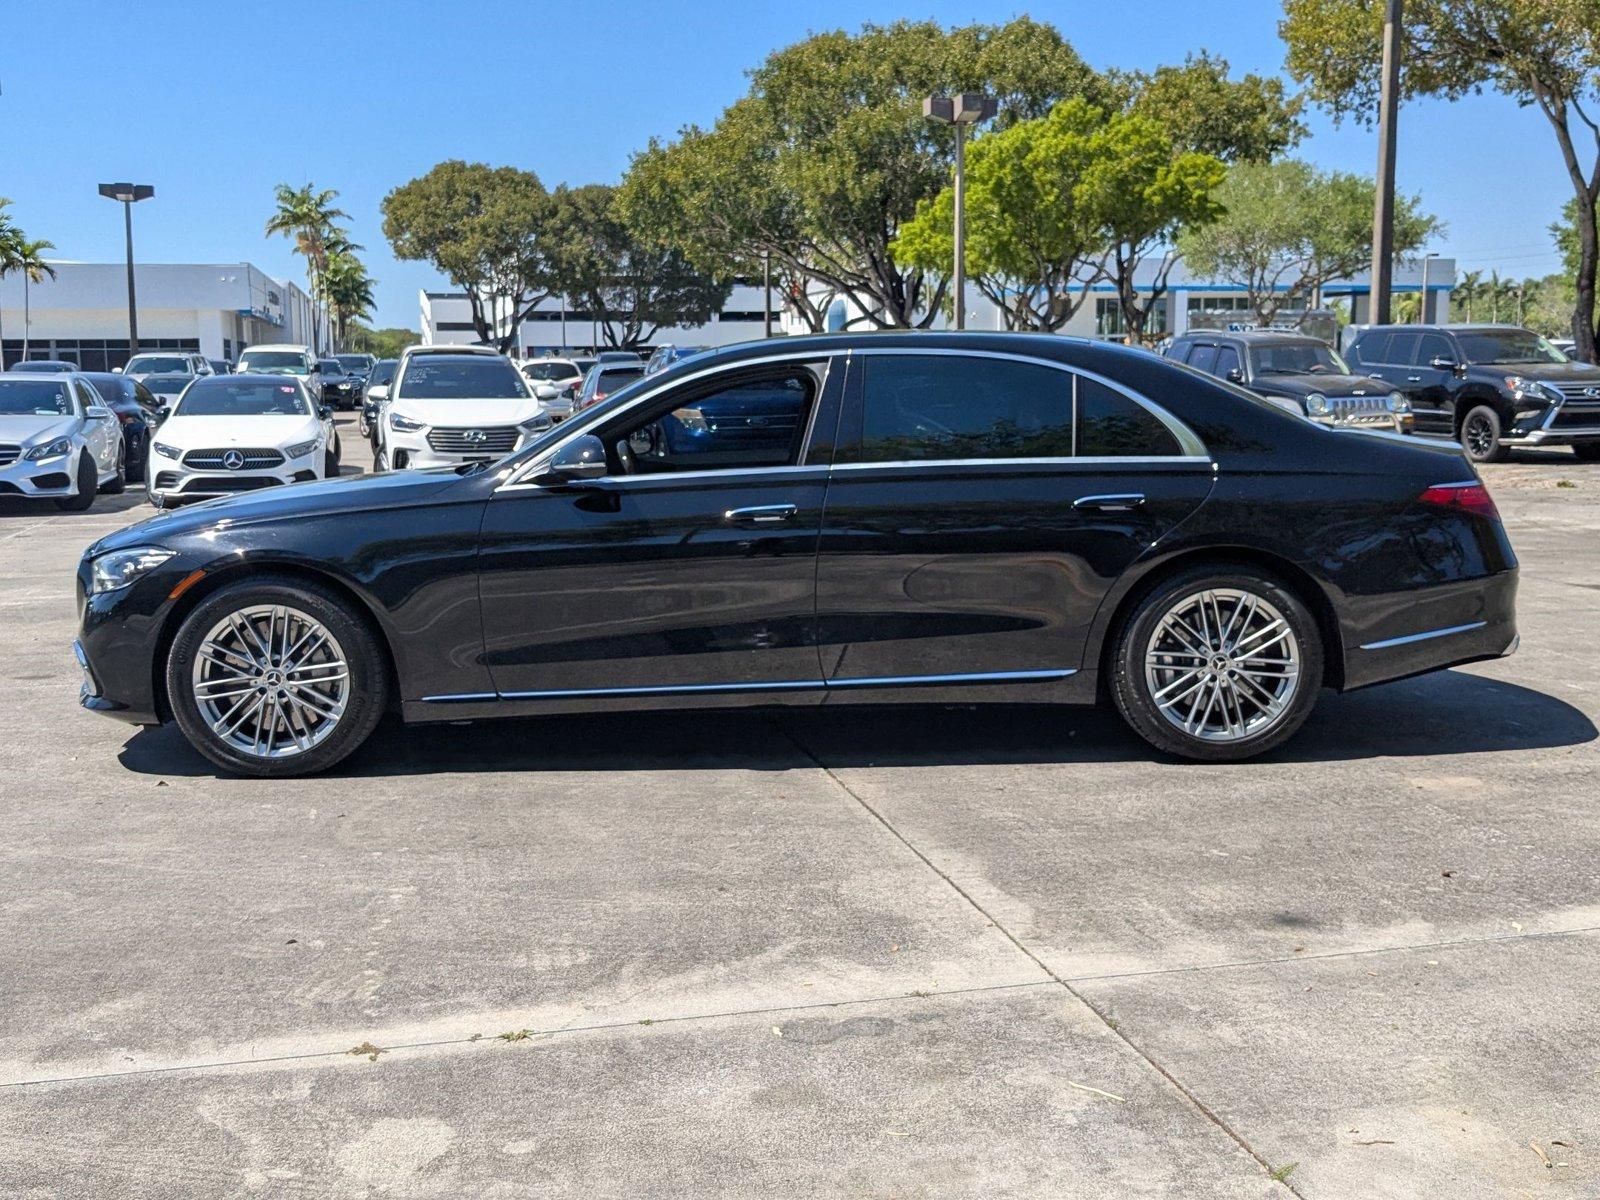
{"x":517,"y":477}
{"x":1063,"y":461}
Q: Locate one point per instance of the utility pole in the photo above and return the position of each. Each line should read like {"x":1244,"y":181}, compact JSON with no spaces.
{"x":1383,"y":210}
{"x":129,"y":194}
{"x":766,"y":293}
{"x":963,"y":111}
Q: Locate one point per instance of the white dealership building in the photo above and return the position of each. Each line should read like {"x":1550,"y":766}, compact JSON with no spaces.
{"x":82,"y":314}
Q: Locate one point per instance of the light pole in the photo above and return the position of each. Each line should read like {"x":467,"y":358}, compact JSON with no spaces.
{"x":1422,"y":309}
{"x":1383,"y":210}
{"x":961,"y":110}
{"x":130,"y":194}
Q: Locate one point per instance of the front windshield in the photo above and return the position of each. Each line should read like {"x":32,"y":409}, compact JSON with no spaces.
{"x":167,"y":385}
{"x":1298,"y":358}
{"x":227,"y":397}
{"x":352,"y":362}
{"x":449,"y":378}
{"x":162,"y":364}
{"x":34,"y":398}
{"x":1507,"y":346}
{"x":274,"y":362}
{"x":42,"y":368}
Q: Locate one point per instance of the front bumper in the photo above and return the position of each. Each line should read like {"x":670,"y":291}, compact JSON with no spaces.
{"x":54,"y":478}
{"x":118,"y":641}
{"x":408,"y":451}
{"x":1559,"y":425}
{"x":175,"y":483}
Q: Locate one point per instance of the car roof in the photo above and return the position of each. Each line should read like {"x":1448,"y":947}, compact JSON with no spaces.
{"x":1252,"y":335}
{"x":414,"y":351}
{"x":300,"y":346}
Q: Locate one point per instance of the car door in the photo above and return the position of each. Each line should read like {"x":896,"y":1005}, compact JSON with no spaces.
{"x":1228,"y":365}
{"x":101,"y":431}
{"x":1431,"y":388}
{"x":690,"y":567}
{"x":980,"y":506}
{"x":1203,"y":357}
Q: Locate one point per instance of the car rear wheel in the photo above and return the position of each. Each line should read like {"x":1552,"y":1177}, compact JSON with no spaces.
{"x":276,"y":678}
{"x":88,"y":486}
{"x":119,"y":482}
{"x":1480,"y":435}
{"x":1217,"y":664}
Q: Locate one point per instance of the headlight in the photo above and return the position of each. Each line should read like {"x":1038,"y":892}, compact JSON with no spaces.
{"x":55,"y":449}
{"x":537,"y":423}
{"x":1398,"y":403}
{"x":1317,"y":405}
{"x":301,"y":449}
{"x":166,"y":451}
{"x":121,"y":567}
{"x":1529,"y":389}
{"x":405,"y":424}
{"x":344,"y":387}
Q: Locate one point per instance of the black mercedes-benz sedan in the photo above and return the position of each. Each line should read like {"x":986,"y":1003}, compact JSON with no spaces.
{"x":933,"y":517}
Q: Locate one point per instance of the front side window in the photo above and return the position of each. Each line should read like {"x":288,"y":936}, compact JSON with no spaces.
{"x":758,"y":421}
{"x":225,"y":396}
{"x":1227,"y":360}
{"x":34,"y":398}
{"x":1403,"y":349}
{"x":464,"y":378}
{"x":920,"y":407}
{"x":383,"y":371}
{"x":1204,"y":358}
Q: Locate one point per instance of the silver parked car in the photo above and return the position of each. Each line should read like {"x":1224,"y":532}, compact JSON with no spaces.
{"x":58,"y":441}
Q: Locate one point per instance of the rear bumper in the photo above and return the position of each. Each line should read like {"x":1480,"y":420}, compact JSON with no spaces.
{"x":1441,"y":627}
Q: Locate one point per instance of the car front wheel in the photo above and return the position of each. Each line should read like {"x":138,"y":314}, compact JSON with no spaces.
{"x":1217,"y":665}
{"x":88,"y":486}
{"x":276,"y":678}
{"x":1480,"y":435}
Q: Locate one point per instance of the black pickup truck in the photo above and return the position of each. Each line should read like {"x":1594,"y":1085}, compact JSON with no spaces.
{"x":1492,"y":387}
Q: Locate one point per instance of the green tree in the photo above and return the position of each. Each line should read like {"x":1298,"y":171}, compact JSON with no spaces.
{"x":310,"y":219}
{"x":1237,"y":120}
{"x":633,"y":286}
{"x":381,"y":343}
{"x":1036,"y":232}
{"x":347,"y":290}
{"x":486,"y":230}
{"x":829,"y":154}
{"x":1539,"y":53}
{"x":1289,"y":229}
{"x":1467,"y":290}
{"x":27,"y":256}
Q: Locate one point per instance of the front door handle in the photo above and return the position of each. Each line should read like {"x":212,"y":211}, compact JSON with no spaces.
{"x":1122,"y":502}
{"x":761,"y":514}
{"x":1413,"y":378}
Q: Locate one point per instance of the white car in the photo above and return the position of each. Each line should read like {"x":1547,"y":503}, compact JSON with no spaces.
{"x":282,"y":359}
{"x":58,"y":441}
{"x":456,"y":404}
{"x":236,"y":433}
{"x":556,"y":381}
{"x":166,"y":362}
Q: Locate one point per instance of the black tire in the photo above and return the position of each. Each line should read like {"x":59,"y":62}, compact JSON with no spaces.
{"x":88,"y":486}
{"x":120,"y":484}
{"x":330,"y":464}
{"x":1587,"y":451}
{"x":368,"y":684}
{"x":1480,"y":435}
{"x":1135,"y":698}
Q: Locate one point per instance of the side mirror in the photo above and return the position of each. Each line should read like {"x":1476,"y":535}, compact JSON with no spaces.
{"x":581,"y":459}
{"x":99,"y":412}
{"x":1234,"y":375}
{"x":163,"y":411}
{"x":1440,"y":363}
{"x":116,"y":370}
{"x":324,"y":412}
{"x":546,"y":391}
{"x":378,"y":391}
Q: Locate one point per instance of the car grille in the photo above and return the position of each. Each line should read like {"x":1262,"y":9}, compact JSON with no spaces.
{"x":255,"y":459}
{"x":1361,"y":410}
{"x":495,"y":439}
{"x":1577,"y":416}
{"x":1578,"y":391}
{"x":228,"y":483}
{"x":9,"y":454}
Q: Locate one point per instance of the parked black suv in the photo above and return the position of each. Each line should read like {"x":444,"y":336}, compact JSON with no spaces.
{"x":1491,"y":387}
{"x":1295,"y":368}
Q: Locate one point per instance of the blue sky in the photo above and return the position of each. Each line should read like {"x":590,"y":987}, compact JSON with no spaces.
{"x":214,"y":103}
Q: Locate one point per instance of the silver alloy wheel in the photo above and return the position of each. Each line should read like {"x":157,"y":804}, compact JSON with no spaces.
{"x":1223,"y":665}
{"x":271,"y":681}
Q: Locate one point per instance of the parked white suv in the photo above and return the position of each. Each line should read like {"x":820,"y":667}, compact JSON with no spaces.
{"x":556,"y":381}
{"x":283,"y":359}
{"x":456,"y":404}
{"x":166,"y":362}
{"x":236,"y":433}
{"x":58,"y":441}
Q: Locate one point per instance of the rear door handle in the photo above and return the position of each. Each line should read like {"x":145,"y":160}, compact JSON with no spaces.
{"x":761,"y":514}
{"x":1122,"y":502}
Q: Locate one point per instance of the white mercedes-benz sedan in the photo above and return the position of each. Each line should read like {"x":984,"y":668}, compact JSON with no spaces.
{"x":235,"y":433}
{"x":58,"y":441}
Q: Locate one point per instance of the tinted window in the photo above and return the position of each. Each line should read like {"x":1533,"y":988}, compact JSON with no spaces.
{"x":449,"y":378}
{"x":34,"y":397}
{"x":114,"y":390}
{"x":1435,"y":345}
{"x":1403,"y":349}
{"x":756,"y":423}
{"x":159,"y":364}
{"x":544,"y":371}
{"x":1180,"y":351}
{"x":1227,"y":360}
{"x":1299,"y":358}
{"x":948,"y":407}
{"x":167,"y":385}
{"x":1204,"y":358}
{"x":352,"y":362}
{"x":330,"y":366}
{"x":1112,"y":426}
{"x":226,"y":396}
{"x":1373,"y":348}
{"x":383,"y":371}
{"x":1508,"y":346}
{"x":286,"y":361}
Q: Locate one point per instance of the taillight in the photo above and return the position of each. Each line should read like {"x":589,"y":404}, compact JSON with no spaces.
{"x":1471,"y":497}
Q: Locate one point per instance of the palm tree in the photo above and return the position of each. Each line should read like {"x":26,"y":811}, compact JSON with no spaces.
{"x":347,"y":288}
{"x":310,"y":218}
{"x":1469,"y":289}
{"x":10,"y":238}
{"x":28,"y":257}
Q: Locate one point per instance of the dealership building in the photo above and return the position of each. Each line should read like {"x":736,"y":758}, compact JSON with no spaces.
{"x":82,"y":314}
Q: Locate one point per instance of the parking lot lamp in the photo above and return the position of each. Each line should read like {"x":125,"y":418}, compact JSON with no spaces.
{"x":962,"y":110}
{"x":130,"y":194}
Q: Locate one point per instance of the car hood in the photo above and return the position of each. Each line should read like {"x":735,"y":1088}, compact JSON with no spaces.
{"x":194,"y":433}
{"x":1301,"y":386}
{"x":457,"y":414}
{"x":321,"y":499}
{"x":1567,"y":372}
{"x":26,"y":428}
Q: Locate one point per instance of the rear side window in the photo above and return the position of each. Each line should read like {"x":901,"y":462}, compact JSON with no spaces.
{"x":1374,"y":348}
{"x":1110,"y":425}
{"x":946,"y":407}
{"x":1403,"y":349}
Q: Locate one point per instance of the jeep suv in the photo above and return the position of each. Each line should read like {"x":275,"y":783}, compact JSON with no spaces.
{"x":1491,"y":387}
{"x":1298,"y":372}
